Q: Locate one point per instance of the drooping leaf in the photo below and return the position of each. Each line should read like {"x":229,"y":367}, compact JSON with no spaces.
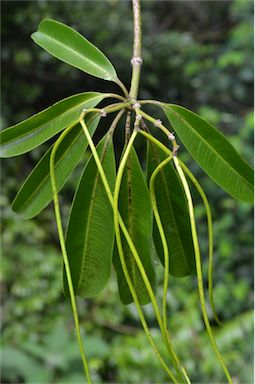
{"x":36,"y":192}
{"x":136,"y":212}
{"x":212,"y":151}
{"x":90,"y":230}
{"x":71,"y":47}
{"x":30,"y":133}
{"x":173,"y":211}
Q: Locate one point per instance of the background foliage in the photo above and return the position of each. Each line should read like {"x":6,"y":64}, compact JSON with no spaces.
{"x":197,"y":54}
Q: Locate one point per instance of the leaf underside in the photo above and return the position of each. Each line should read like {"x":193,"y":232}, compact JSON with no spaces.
{"x":136,"y":212}
{"x":90,"y":230}
{"x":36,"y":192}
{"x":173,"y":211}
{"x":30,"y":133}
{"x":72,"y":48}
{"x":212,"y":151}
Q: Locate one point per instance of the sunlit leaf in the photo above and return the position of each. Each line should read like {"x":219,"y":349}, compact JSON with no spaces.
{"x":71,"y":47}
{"x":212,"y":151}
{"x":30,"y":133}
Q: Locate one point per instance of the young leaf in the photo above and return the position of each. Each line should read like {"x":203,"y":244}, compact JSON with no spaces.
{"x":136,"y":212}
{"x":68,"y":45}
{"x":212,"y":151}
{"x":36,"y":192}
{"x":173,"y":212}
{"x":90,"y":230}
{"x":30,"y":133}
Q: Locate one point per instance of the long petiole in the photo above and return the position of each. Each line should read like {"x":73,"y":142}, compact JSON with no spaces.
{"x":122,"y":87}
{"x":199,"y":268}
{"x":210,"y":236}
{"x":125,"y":232}
{"x":64,"y":252}
{"x":176,"y":362}
{"x":114,"y":96}
{"x":165,"y":248}
{"x":208,"y":212}
{"x":152,"y":102}
{"x":108,"y":109}
{"x":197,"y":250}
{"x":158,"y":123}
{"x":162,"y":234}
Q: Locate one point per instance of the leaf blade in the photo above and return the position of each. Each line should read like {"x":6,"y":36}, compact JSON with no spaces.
{"x":136,"y":212}
{"x":173,"y":211}
{"x":212,"y":151}
{"x":29,"y":204}
{"x":90,"y":226}
{"x":30,"y":133}
{"x":71,"y":47}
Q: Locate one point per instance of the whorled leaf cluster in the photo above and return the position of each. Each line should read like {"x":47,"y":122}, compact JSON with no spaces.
{"x":121,"y":216}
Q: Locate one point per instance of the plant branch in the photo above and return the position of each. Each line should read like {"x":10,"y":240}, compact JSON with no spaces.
{"x":136,"y":61}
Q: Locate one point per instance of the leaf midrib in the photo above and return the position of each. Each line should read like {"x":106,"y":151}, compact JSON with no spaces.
{"x":8,"y":143}
{"x":76,"y":53}
{"x":211,"y":148}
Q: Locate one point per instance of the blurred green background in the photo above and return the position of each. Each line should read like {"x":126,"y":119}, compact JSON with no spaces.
{"x":198,"y":54}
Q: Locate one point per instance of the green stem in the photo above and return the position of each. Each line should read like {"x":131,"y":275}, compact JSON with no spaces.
{"x":162,"y":234}
{"x":210,"y":236}
{"x":125,"y":232}
{"x":199,"y":268}
{"x":137,"y":50}
{"x":158,"y":123}
{"x":64,"y":253}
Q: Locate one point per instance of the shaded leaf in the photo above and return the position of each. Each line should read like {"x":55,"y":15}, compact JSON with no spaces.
{"x":90,"y":230}
{"x":212,"y":151}
{"x":136,"y":211}
{"x":71,"y":47}
{"x":173,"y":212}
{"x":36,"y":192}
{"x":30,"y":133}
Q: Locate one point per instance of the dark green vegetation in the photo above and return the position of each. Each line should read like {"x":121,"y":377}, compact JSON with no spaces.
{"x":197,"y":84}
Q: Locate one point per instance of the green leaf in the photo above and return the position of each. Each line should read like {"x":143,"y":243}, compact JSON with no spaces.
{"x":90,"y":230}
{"x":68,"y":45}
{"x":30,"y":133}
{"x":36,"y":192}
{"x":136,"y":211}
{"x":212,"y":151}
{"x":173,"y":212}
